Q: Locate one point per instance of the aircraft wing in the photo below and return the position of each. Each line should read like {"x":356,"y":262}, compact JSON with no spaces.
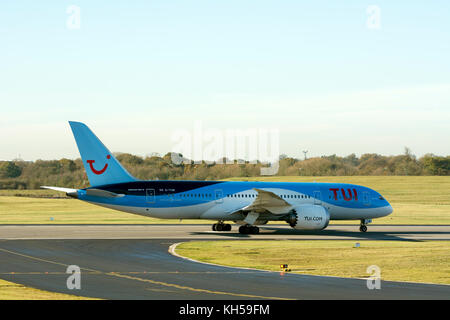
{"x":268,"y":201}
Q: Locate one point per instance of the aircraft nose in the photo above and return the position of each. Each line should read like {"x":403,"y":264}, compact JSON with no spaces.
{"x":389,"y":209}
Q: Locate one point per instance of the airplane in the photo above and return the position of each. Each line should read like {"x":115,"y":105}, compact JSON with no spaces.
{"x":304,"y":206}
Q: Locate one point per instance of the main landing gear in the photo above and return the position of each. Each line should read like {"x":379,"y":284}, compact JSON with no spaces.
{"x":248,"y":229}
{"x":221,"y":227}
{"x":363,"y":225}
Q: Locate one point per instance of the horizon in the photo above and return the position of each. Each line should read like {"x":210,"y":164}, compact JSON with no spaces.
{"x":160,"y":155}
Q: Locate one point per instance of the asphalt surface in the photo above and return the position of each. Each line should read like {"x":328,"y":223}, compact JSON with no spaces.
{"x":117,"y":267}
{"x":196,"y":232}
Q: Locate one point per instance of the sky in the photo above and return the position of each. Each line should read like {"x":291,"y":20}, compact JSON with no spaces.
{"x":333,"y":77}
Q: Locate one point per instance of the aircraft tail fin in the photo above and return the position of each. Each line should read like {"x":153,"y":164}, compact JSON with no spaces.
{"x":101,"y":166}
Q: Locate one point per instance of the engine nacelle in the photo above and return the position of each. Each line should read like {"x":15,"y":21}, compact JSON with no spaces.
{"x":309,"y":217}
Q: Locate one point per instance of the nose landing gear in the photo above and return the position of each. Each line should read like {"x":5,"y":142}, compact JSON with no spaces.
{"x":363,"y":225}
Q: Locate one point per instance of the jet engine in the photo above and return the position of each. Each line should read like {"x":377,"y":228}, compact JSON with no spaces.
{"x":309,"y":217}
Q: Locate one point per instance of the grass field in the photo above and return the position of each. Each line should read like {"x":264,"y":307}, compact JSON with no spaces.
{"x":427,"y":261}
{"x":24,"y":210}
{"x":416,"y":200}
{"x":14,"y":291}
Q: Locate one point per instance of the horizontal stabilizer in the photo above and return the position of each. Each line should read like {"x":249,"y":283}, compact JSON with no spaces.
{"x":102,"y":193}
{"x":66,"y":190}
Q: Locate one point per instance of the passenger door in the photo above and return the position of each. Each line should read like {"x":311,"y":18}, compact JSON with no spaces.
{"x":218,"y":195}
{"x":366,"y":198}
{"x":150,"y":195}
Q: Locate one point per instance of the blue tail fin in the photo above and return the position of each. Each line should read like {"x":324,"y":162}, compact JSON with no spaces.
{"x":100,"y":165}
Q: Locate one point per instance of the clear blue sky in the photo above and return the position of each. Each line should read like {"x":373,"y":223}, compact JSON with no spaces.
{"x":136,"y":71}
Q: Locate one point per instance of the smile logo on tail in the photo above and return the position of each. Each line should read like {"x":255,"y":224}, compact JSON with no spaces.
{"x":98,"y":171}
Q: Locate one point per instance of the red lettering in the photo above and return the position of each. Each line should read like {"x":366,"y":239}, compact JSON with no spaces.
{"x":335,"y":192}
{"x":349,"y":193}
{"x":355,"y":194}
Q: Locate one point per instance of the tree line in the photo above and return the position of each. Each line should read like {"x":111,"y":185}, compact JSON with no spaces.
{"x":18,"y":174}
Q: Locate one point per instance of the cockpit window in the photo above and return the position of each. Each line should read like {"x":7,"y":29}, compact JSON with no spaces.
{"x":381,"y":198}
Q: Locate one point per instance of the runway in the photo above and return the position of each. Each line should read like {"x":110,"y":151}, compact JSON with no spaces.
{"x":133,"y":262}
{"x":196,"y":232}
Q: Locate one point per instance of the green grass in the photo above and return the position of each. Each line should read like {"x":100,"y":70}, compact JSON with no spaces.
{"x":416,"y":200}
{"x":23,"y":210}
{"x":40,"y":193}
{"x":427,"y":261}
{"x":14,"y":291}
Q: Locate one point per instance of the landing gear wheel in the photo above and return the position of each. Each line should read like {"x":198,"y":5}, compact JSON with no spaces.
{"x":363,"y":228}
{"x":221,"y":227}
{"x":247,"y":229}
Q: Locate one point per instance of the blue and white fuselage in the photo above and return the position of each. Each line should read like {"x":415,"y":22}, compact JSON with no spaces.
{"x":307,"y":206}
{"x":219,"y":200}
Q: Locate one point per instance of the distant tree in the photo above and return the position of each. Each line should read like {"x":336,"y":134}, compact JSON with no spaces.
{"x":351,"y":160}
{"x":436,"y":165}
{"x":68,"y":165}
{"x":130,"y":159}
{"x":9,"y":169}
